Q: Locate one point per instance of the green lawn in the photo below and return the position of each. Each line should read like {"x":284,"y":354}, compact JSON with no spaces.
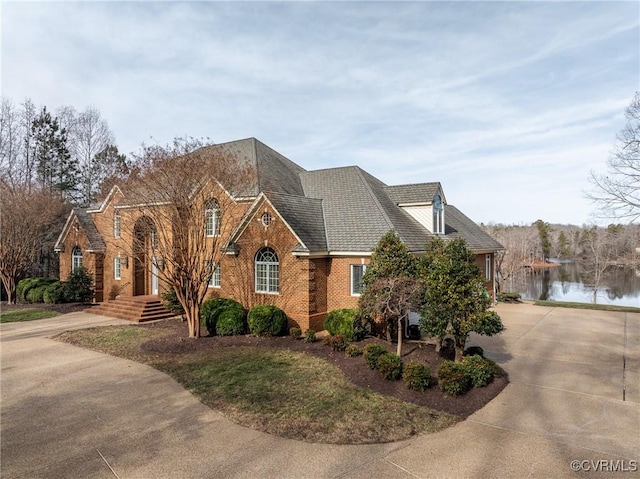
{"x":601,"y":307}
{"x":26,"y":314}
{"x":282,"y":392}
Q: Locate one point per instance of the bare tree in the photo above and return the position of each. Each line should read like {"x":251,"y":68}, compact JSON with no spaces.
{"x":618,"y":191}
{"x":89,"y":136}
{"x":183,"y":209}
{"x":597,"y":244}
{"x":28,"y":217}
{"x":393,"y":299}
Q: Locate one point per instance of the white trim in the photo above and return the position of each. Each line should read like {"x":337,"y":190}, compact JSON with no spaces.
{"x":117,"y":268}
{"x":351,"y":284}
{"x":268,"y":270}
{"x":212,"y":283}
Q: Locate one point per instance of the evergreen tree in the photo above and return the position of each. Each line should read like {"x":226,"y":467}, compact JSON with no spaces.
{"x":54,"y":169}
{"x":455,"y":299}
{"x":390,"y":284}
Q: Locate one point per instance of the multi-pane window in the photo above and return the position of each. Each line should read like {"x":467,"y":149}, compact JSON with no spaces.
{"x":116,"y":268}
{"x":214,"y":282}
{"x":116,"y":225}
{"x":438,"y":215}
{"x":76,"y":258}
{"x":487,"y":266}
{"x":212,"y":219}
{"x":357,"y":272}
{"x":267,"y":271}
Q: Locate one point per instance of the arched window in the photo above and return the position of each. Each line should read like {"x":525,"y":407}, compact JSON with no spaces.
{"x":267,"y":271}
{"x":438,"y":215}
{"x":212,"y":218}
{"x":76,"y":259}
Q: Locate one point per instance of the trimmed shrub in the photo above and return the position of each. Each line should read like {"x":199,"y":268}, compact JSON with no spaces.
{"x":390,"y":366}
{"x":170,"y":302}
{"x":453,"y":378}
{"x":79,"y":287}
{"x":372,"y":352}
{"x":340,"y":321}
{"x":54,"y":293}
{"x":267,"y":320}
{"x":310,"y":336}
{"x":337,"y":342}
{"x":480,"y":370}
{"x":295,"y":333}
{"x":474,"y":350}
{"x":353,"y":350}
{"x":26,"y":285}
{"x":416,"y":376}
{"x":231,"y":322}
{"x":211,"y":309}
{"x":20,"y":287}
{"x":36,"y":295}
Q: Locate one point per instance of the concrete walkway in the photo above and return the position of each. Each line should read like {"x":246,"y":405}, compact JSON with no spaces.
{"x":71,"y":413}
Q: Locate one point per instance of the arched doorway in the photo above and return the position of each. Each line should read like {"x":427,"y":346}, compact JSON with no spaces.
{"x":145,"y":274}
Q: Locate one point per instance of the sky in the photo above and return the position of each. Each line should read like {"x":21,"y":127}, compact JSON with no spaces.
{"x":510,"y":105}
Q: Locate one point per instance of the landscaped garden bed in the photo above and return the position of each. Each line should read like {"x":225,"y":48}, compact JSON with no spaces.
{"x":296,"y":389}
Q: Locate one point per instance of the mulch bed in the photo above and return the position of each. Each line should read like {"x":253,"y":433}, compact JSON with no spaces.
{"x":355,"y":368}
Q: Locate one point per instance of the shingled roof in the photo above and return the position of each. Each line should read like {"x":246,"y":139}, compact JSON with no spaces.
{"x":357,"y":210}
{"x":415,"y":193}
{"x":96,"y":242}
{"x":460,"y":226}
{"x":305,"y":216}
{"x":273,"y":171}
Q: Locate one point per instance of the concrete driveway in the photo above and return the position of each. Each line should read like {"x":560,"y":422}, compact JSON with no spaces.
{"x":574,"y":396}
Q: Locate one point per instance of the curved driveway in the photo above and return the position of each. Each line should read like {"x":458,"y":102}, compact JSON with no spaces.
{"x":574,"y":396}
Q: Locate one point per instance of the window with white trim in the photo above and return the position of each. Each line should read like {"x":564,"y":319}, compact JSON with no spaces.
{"x":438,"y":215}
{"x":212,"y":219}
{"x":214,"y":282}
{"x":267,"y":269}
{"x":116,"y":224}
{"x":117,"y":268}
{"x":76,"y":259}
{"x":357,"y":272}
{"x":487,"y":266}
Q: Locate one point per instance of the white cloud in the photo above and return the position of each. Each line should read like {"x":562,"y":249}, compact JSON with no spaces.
{"x":473,"y":94}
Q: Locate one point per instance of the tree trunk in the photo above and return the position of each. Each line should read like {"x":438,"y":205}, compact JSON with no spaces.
{"x":193,"y":320}
{"x":10,"y":287}
{"x":459,"y":347}
{"x":399,"y":351}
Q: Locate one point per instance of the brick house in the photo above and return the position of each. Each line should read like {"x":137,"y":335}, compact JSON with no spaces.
{"x":300,"y":239}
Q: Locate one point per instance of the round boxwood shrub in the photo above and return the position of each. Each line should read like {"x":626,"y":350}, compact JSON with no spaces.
{"x":36,"y":295}
{"x":480,"y":370}
{"x":211,"y":310}
{"x":26,"y":285}
{"x":231,"y":321}
{"x":267,"y":320}
{"x":353,"y":350}
{"x":54,"y":293}
{"x":310,"y":336}
{"x":453,"y":378}
{"x":416,"y":376}
{"x":340,"y":321}
{"x":372,"y":352}
{"x":390,"y":366}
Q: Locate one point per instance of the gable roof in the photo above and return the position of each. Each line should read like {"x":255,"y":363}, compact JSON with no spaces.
{"x":96,"y":242}
{"x":418,"y":193}
{"x":305,"y":216}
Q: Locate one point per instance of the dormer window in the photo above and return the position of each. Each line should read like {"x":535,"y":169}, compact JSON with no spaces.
{"x":438,"y":215}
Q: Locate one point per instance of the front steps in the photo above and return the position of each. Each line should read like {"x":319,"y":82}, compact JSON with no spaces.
{"x":133,"y":308}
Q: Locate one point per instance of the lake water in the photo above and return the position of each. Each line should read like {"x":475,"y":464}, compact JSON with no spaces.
{"x":619,"y":286}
